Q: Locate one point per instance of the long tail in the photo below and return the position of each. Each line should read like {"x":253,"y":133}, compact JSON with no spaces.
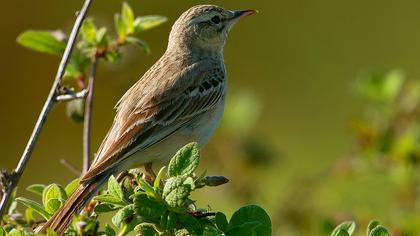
{"x":73,"y":205}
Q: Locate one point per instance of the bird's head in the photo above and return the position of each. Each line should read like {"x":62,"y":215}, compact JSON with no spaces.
{"x":204,"y":27}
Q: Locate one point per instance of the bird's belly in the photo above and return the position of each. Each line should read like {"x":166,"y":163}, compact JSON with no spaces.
{"x":199,"y":131}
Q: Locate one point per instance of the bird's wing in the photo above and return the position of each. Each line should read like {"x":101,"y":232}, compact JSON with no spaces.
{"x":158,"y":114}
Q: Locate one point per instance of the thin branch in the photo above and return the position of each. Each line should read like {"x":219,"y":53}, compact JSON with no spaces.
{"x":17,"y":173}
{"x":87,"y":125}
{"x":72,"y":96}
{"x":70,"y":167}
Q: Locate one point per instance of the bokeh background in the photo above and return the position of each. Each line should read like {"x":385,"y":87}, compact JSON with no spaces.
{"x":289,"y":141}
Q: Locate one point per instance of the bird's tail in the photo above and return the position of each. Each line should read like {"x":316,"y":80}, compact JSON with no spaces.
{"x":73,"y":205}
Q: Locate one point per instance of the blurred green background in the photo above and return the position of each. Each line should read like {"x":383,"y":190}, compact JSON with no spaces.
{"x":291,"y":72}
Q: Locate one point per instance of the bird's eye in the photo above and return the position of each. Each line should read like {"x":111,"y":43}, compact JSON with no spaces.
{"x":215,"y":19}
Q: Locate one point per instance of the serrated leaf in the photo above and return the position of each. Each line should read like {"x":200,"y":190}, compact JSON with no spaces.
{"x":348,"y":226}
{"x":143,"y":23}
{"x":110,"y":199}
{"x":72,"y":186}
{"x":122,"y":215}
{"x":185,"y":161}
{"x":128,"y":17}
{"x":114,"y":188}
{"x":379,"y":231}
{"x":88,"y":31}
{"x":142,"y":44}
{"x":34,"y":205}
{"x":36,"y":188}
{"x":41,"y":41}
{"x":249,"y":214}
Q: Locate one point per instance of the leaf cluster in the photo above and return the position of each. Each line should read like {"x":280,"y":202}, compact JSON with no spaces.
{"x":94,"y":43}
{"x":348,"y":228}
{"x":149,"y":206}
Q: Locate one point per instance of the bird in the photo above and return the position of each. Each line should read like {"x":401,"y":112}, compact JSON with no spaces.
{"x":179,"y":100}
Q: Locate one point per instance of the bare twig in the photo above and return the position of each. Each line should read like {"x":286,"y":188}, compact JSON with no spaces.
{"x":87,"y":125}
{"x":17,"y":173}
{"x":70,"y":167}
{"x":72,"y":96}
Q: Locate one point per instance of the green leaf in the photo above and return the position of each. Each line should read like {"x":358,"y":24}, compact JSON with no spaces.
{"x":53,"y":204}
{"x":110,"y":199}
{"x":36,"y":188}
{"x":142,"y":44}
{"x":146,"y":229}
{"x":29,"y":215}
{"x":128,"y":17}
{"x":113,"y":56}
{"x":101,"y":37}
{"x":221,"y":221}
{"x":109,"y":231}
{"x":88,"y":31}
{"x":120,"y":27}
{"x":348,"y":226}
{"x":185,"y":161}
{"x":147,"y":207}
{"x":105,"y":207}
{"x":191,"y":224}
{"x":159,"y":177}
{"x":143,"y":23}
{"x":114,"y":188}
{"x":34,"y":205}
{"x":248,"y":216}
{"x":147,"y":188}
{"x":15,"y":232}
{"x":175,"y":192}
{"x":2,"y":232}
{"x":171,"y":221}
{"x":41,"y":41}
{"x":72,"y":186}
{"x":379,"y":231}
{"x":372,"y":225}
{"x":53,"y":191}
{"x":51,"y":232}
{"x":342,"y":232}
{"x":77,"y":66}
{"x":123,"y":214}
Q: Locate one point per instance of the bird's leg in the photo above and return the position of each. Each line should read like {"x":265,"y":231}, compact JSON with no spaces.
{"x":150,"y":175}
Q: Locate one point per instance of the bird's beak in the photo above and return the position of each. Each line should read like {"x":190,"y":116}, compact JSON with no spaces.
{"x":241,"y":13}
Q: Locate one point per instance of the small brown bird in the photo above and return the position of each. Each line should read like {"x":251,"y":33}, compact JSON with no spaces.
{"x":180,"y":99}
